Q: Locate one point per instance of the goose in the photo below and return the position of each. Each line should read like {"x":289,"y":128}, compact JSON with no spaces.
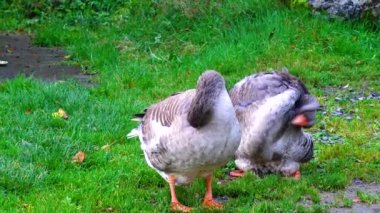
{"x":273,"y":108}
{"x":189,"y":135}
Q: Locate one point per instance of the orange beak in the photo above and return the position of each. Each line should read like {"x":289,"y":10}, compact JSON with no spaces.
{"x":300,"y":120}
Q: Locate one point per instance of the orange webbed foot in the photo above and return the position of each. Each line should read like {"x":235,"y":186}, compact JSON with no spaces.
{"x":212,"y":204}
{"x":237,"y":173}
{"x":179,"y":207}
{"x":296,"y":175}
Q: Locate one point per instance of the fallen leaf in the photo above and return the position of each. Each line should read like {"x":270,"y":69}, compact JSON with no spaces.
{"x":356,"y":200}
{"x":67,"y":56}
{"x":79,"y":157}
{"x":25,"y":205}
{"x":106,"y":147}
{"x":60,"y":114}
{"x":110,"y":209}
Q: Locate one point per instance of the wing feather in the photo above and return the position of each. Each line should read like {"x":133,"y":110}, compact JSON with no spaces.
{"x":258,"y":87}
{"x":157,"y":125}
{"x":163,"y":114}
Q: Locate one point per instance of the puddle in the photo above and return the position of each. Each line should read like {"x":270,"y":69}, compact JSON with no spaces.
{"x":39,"y":62}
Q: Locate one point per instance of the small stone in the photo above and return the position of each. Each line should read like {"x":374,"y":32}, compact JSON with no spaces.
{"x":353,"y":99}
{"x":346,"y":9}
{"x":358,"y":182}
{"x":3,"y":63}
{"x":221,"y":199}
{"x":26,"y":143}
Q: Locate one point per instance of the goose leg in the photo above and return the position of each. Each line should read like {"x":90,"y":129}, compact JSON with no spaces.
{"x":175,"y":204}
{"x":208,"y":200}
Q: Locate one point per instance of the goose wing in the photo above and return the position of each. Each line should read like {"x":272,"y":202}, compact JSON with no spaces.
{"x":159,"y":118}
{"x":159,"y":124}
{"x":258,"y":87}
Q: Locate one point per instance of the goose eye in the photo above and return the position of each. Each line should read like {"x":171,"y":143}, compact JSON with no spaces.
{"x":297,"y":104}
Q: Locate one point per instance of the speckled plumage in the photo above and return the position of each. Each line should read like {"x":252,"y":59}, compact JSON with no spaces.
{"x":190,"y":134}
{"x":265,"y":104}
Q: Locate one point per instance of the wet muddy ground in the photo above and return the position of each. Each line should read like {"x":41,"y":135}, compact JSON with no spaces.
{"x":348,"y":200}
{"x":38,"y":62}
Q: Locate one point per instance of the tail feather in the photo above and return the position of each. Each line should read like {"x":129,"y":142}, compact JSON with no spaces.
{"x":210,"y":85}
{"x":136,"y":131}
{"x":133,"y":133}
{"x":138,"y":117}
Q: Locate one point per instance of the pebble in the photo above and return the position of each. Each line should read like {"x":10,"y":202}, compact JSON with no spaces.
{"x":358,"y":181}
{"x":222,"y":199}
{"x":327,"y":138}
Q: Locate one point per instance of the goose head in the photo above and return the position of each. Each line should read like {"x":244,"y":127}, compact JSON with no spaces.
{"x":305,"y":111}
{"x":273,"y":109}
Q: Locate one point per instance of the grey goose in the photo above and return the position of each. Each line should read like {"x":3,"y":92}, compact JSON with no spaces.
{"x":189,"y":135}
{"x":273,"y":108}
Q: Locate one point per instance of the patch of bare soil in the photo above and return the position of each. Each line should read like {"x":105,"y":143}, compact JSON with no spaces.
{"x":335,"y":200}
{"x":39,"y":62}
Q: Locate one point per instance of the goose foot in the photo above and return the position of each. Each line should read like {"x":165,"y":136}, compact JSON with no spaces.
{"x":179,"y":207}
{"x":175,"y":204}
{"x":212,"y":204}
{"x":208,"y":201}
{"x":296,"y":175}
{"x":237,"y":173}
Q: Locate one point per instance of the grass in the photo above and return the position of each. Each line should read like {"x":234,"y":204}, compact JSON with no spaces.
{"x":368,"y":198}
{"x":142,"y":52}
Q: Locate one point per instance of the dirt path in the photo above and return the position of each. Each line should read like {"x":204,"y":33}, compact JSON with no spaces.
{"x":39,"y":62}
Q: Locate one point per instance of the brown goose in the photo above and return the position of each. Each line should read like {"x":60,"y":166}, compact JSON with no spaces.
{"x":272,"y":109}
{"x":190,"y":134}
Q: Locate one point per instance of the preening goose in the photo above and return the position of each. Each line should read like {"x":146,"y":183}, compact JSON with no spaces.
{"x":272,"y":109}
{"x":190,"y":134}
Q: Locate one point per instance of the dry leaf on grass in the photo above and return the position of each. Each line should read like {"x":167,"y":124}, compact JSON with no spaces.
{"x":79,"y":157}
{"x":110,"y":209}
{"x":60,"y":114}
{"x":25,"y":205}
{"x":356,"y":200}
{"x":106,"y":147}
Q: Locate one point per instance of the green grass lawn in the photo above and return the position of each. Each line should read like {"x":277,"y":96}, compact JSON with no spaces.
{"x":145,"y":51}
